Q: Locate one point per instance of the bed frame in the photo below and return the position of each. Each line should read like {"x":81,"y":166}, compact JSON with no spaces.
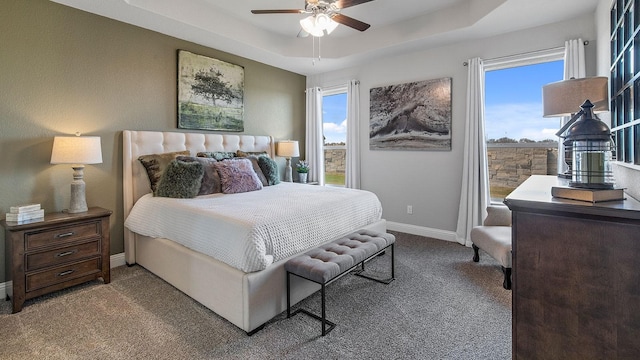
{"x":248,"y":300}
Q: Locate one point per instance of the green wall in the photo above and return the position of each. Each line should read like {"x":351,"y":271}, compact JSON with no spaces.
{"x":63,"y":70}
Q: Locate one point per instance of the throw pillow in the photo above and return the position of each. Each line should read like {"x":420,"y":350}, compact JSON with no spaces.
{"x":218,"y":155}
{"x":156,"y":163}
{"x":257,"y":169}
{"x":237,"y":176}
{"x":210,"y":180}
{"x":181,"y":180}
{"x":270,"y":169}
{"x":241,"y":153}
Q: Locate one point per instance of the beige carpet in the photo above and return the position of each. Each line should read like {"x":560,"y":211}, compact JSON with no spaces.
{"x":442,"y":305}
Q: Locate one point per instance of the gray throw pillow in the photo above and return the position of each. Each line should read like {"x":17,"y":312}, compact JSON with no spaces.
{"x":210,"y":180}
{"x":180,"y":180}
{"x":257,"y":169}
{"x":218,"y":155}
{"x":270,"y":169}
{"x":155,"y":164}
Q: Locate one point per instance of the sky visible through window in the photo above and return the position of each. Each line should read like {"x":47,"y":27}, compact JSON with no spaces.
{"x":513,"y":102}
{"x":334,"y":118}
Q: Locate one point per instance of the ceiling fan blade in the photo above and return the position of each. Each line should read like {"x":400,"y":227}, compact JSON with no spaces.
{"x":286,"y":11}
{"x":351,"y":22}
{"x":341,"y":4}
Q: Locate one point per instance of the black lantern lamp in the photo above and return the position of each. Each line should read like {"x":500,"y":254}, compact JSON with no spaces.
{"x":564,"y":98}
{"x":590,"y":142}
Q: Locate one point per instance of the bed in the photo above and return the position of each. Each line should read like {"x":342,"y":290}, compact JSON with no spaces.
{"x":246,"y":295}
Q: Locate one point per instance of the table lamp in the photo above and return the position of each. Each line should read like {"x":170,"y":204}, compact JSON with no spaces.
{"x":78,"y":151}
{"x":288,"y":149}
{"x":587,"y":140}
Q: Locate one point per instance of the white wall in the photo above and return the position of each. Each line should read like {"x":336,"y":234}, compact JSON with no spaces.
{"x":430,"y":180}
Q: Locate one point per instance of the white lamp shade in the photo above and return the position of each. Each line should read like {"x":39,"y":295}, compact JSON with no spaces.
{"x":288,"y":148}
{"x":332,"y":25}
{"x":76,"y":150}
{"x":308,"y":24}
{"x":563,"y":98}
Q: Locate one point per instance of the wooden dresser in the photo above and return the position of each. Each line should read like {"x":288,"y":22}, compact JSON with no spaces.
{"x":61,"y":251}
{"x":576,"y":275}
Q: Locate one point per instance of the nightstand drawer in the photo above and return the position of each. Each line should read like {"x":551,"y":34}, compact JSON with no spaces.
{"x":62,"y":235}
{"x":61,"y":274}
{"x":62,"y":255}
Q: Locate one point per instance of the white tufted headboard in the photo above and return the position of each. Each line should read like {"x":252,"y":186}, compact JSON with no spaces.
{"x":135,"y":182}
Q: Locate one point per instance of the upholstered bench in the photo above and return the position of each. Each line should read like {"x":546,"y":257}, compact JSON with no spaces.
{"x":331,"y":261}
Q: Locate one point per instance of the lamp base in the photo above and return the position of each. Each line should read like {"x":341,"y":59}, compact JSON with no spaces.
{"x":288,"y":176}
{"x":78,"y":201}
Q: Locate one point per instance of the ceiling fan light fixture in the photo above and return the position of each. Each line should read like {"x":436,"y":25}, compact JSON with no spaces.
{"x":309,"y":25}
{"x":332,"y":25}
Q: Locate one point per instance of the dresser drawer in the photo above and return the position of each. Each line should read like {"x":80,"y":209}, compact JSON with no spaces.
{"x":62,"y":235}
{"x":62,"y":255}
{"x":60,"y":274}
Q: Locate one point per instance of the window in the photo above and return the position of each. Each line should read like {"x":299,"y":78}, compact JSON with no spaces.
{"x":625,"y":80}
{"x":520,"y":142}
{"x":334,"y":125}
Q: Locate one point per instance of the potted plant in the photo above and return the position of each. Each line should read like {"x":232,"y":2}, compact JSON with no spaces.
{"x":302,"y":167}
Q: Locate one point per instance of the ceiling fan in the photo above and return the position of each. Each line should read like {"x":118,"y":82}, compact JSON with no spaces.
{"x":325,"y":15}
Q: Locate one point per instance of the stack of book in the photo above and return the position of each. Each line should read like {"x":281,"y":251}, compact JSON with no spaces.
{"x":23,"y":213}
{"x":590,"y":195}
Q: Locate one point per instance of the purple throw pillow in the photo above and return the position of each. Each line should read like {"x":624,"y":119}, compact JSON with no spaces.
{"x":237,"y":176}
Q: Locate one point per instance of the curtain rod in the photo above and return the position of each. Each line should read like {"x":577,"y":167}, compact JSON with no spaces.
{"x":466,"y":63}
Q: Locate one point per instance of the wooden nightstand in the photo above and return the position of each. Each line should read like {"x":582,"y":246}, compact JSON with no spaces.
{"x":55,"y":253}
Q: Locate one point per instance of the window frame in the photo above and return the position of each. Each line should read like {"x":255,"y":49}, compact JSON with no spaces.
{"x":330,"y":91}
{"x":530,"y":58}
{"x":624,"y":80}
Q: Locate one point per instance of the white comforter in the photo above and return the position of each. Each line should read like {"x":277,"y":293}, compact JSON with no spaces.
{"x":251,"y":230}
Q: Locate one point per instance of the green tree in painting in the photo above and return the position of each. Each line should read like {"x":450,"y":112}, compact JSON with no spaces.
{"x":211,"y":86}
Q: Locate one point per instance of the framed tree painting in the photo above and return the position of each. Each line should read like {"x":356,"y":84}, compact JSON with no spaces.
{"x":210,"y":93}
{"x":411,"y":116}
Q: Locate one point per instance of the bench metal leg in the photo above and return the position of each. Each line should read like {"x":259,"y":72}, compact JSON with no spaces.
{"x":383,"y":281}
{"x":323,"y":318}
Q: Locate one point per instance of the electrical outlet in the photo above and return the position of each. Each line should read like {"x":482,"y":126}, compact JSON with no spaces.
{"x":409,"y":209}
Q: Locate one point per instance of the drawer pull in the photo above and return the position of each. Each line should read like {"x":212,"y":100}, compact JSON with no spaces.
{"x":65,"y":273}
{"x":67,"y":253}
{"x":71,"y":233}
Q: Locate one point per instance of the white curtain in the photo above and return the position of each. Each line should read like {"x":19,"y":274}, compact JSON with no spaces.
{"x":352,"y":171}
{"x":314,"y":141}
{"x":474,"y":194}
{"x":574,"y":67}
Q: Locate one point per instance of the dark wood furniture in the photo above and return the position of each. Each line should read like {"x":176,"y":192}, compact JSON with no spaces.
{"x":576,"y":275}
{"x":55,"y":253}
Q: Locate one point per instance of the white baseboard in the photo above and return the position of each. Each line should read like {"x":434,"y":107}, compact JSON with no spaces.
{"x":115,"y":261}
{"x":422,"y":231}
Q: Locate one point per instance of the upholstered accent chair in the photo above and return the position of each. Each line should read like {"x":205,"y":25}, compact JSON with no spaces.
{"x":494,"y":238}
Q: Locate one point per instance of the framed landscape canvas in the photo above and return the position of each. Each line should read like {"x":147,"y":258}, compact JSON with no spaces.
{"x":411,"y":116}
{"x":210,"y":93}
